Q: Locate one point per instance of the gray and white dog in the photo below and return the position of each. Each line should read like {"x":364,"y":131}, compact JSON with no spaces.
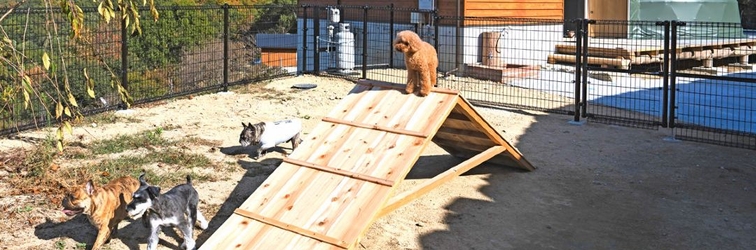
{"x":270,"y":134}
{"x":177,"y":207}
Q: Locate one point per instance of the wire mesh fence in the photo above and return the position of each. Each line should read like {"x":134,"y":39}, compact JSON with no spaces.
{"x":694,"y":77}
{"x":188,"y":50}
{"x":715,"y":84}
{"x":617,"y":72}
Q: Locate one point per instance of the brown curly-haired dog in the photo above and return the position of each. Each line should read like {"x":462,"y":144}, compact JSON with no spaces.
{"x":421,"y":61}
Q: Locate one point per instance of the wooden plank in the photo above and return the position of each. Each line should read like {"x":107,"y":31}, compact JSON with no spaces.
{"x":616,"y":62}
{"x":503,"y":159}
{"x":292,"y":228}
{"x":368,"y":100}
{"x":436,"y":181}
{"x":340,"y":172}
{"x":495,"y":136}
{"x":443,"y":106}
{"x":476,"y":138}
{"x":232,"y":234}
{"x":595,"y":49}
{"x":321,"y":203}
{"x":394,"y":104}
{"x":375,"y":127}
{"x":386,"y":85}
{"x":454,"y":143}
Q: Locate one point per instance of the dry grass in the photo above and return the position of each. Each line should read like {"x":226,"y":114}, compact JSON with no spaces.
{"x":43,"y":170}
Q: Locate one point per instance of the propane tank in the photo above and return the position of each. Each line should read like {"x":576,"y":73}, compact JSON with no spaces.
{"x":334,"y":15}
{"x":345,"y":48}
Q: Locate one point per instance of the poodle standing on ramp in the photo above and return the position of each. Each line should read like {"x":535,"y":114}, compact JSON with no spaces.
{"x":420,"y":59}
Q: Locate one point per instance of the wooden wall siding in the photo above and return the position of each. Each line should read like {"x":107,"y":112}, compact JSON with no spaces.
{"x":449,"y":7}
{"x":540,"y":9}
{"x":376,"y":3}
{"x":317,"y":2}
{"x":279,"y":58}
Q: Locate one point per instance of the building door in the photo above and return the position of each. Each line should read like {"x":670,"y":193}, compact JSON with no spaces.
{"x":608,"y":10}
{"x":573,"y":9}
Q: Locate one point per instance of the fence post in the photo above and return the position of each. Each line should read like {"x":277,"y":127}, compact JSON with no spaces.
{"x":584,"y":76}
{"x":304,"y":38}
{"x":665,"y":75}
{"x":435,"y":28}
{"x":673,"y":72}
{"x":364,"y":41}
{"x":124,"y":59}
{"x":578,"y":64}
{"x":391,"y":35}
{"x":225,"y":47}
{"x":316,"y":34}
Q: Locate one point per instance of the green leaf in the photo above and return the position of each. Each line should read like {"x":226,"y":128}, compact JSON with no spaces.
{"x":125,"y":97}
{"x":89,"y":83}
{"x":90,"y":88}
{"x":101,"y":9}
{"x":59,"y":134}
{"x":72,"y":100}
{"x":60,"y":145}
{"x":67,"y":126}
{"x":67,"y":111}
{"x":46,"y":61}
{"x":58,"y":110}
{"x":26,"y":82}
{"x":26,"y":99}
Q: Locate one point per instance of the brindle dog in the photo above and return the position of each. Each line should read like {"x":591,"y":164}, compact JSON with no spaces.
{"x":104,"y":206}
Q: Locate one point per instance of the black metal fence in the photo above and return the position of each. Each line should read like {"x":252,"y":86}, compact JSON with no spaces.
{"x":188,"y":50}
{"x":693,"y":78}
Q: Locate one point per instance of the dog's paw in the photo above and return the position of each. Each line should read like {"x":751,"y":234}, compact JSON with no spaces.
{"x":203,"y":224}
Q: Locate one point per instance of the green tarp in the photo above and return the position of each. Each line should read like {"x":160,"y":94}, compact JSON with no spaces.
{"x":721,"y":17}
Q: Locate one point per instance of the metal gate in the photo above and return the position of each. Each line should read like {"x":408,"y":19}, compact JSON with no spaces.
{"x":610,"y":87}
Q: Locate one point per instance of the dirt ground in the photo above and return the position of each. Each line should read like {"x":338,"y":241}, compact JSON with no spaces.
{"x":596,"y":186}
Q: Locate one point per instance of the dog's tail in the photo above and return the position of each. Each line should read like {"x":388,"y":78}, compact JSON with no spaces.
{"x":189,"y":179}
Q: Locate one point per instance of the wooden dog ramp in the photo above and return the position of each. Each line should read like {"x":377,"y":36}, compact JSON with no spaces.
{"x":341,"y":178}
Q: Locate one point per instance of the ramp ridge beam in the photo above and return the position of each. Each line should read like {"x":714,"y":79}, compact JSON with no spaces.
{"x":341,"y":172}
{"x":386,"y":85}
{"x":375,"y":127}
{"x":292,"y":228}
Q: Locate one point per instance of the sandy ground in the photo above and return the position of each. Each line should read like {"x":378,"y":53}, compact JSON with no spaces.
{"x":596,"y":186}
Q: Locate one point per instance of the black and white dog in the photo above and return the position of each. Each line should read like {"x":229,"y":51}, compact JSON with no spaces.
{"x":177,"y":207}
{"x":270,"y":134}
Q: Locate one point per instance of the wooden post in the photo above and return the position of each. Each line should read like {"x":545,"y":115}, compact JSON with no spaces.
{"x":708,"y":63}
{"x":491,"y":52}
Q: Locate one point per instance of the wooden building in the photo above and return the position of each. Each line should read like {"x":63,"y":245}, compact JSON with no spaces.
{"x":277,"y":50}
{"x":531,"y":9}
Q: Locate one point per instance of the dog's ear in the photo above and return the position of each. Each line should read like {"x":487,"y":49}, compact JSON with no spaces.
{"x":244,"y":125}
{"x":122,"y":199}
{"x":414,"y":44}
{"x":90,"y":187}
{"x":153,"y":191}
{"x":141,"y":179}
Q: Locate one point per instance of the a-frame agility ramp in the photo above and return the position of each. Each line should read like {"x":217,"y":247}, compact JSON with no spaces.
{"x":327,"y":192}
